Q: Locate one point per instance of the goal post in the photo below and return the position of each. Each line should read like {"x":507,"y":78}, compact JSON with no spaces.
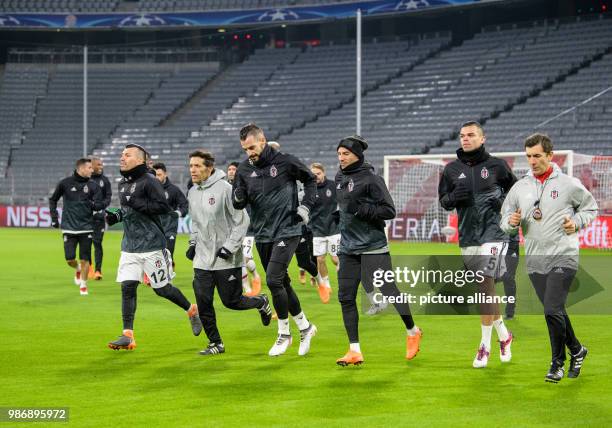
{"x":413,"y":184}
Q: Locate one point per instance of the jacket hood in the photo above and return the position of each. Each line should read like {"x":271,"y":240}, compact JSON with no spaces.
{"x":473,"y":157}
{"x":217,"y":175}
{"x":555,"y":172}
{"x":365,"y":166}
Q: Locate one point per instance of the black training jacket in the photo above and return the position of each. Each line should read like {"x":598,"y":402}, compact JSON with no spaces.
{"x":178,"y":202}
{"x":142,"y":203}
{"x":271,"y":193}
{"x":365,"y":204}
{"x":81,"y":198}
{"x":488,"y":179}
{"x":107,"y":193}
{"x":322,"y":220}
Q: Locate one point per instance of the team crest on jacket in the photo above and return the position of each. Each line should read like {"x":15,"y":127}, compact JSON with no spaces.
{"x":158,"y":263}
{"x":211,"y":200}
{"x":328,"y":193}
{"x":85,"y":189}
{"x":133,"y":188}
{"x":167,"y":196}
{"x":351,"y":185}
{"x":554,"y":194}
{"x":484,"y":172}
{"x":494,"y":251}
{"x":101,"y":183}
{"x":273,"y":171}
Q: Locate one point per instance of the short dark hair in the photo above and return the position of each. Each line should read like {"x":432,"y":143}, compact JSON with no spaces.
{"x":209,"y":159}
{"x":236,"y":164}
{"x":159,"y":165}
{"x":250,"y":129}
{"x":473,"y":123}
{"x":541,"y":139}
{"x":81,"y":161}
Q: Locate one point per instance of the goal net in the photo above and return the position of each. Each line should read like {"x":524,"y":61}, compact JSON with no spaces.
{"x":413,"y":183}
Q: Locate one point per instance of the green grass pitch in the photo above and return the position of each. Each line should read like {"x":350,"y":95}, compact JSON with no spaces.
{"x":54,"y":354}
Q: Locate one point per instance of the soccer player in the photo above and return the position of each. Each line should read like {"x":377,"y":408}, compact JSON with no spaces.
{"x":324,"y":226}
{"x":178,"y":203}
{"x":551,"y":207}
{"x":365,"y":204}
{"x":99,"y":224}
{"x":81,"y":198}
{"x":216,"y":248}
{"x":143,"y":248}
{"x":266,"y":182}
{"x":475,"y":184}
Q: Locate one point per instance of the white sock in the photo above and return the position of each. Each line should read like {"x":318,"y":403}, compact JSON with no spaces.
{"x":83,"y":284}
{"x":486,"y":336}
{"x":502,"y":331}
{"x":283,"y":326}
{"x":326,"y":281}
{"x":412,"y":331}
{"x":250,"y":265}
{"x":301,"y":321}
{"x":355,"y":347}
{"x":320,"y":279}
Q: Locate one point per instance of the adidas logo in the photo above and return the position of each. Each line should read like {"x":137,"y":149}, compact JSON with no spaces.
{"x":128,"y":197}
{"x":559,"y":270}
{"x":253,"y":174}
{"x":462,"y":175}
{"x":172,"y":238}
{"x":73,"y":189}
{"x":302,"y":240}
{"x":281,"y":244}
{"x":514,"y":255}
{"x":231,"y":278}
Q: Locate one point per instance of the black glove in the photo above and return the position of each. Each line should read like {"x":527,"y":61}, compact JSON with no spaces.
{"x":190,"y":253}
{"x":460,"y":195}
{"x":55,"y":223}
{"x":366,"y":211}
{"x":352,"y":207}
{"x":113,"y":217}
{"x":224,"y":253}
{"x":239,"y":194}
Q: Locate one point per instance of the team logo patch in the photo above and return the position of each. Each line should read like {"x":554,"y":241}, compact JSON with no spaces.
{"x":554,"y":194}
{"x":85,"y":189}
{"x":484,"y":173}
{"x":167,"y":196}
{"x":133,"y":188}
{"x":351,"y":185}
{"x":494,"y":251}
{"x":328,"y":193}
{"x":211,"y":200}
{"x":122,"y":190}
{"x":101,"y":183}
{"x":158,"y":263}
{"x":273,"y":171}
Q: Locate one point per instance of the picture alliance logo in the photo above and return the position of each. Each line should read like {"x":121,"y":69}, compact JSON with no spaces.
{"x":411,"y":277}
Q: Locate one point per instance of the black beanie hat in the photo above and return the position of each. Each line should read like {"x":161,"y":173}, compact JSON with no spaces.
{"x":355,"y":144}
